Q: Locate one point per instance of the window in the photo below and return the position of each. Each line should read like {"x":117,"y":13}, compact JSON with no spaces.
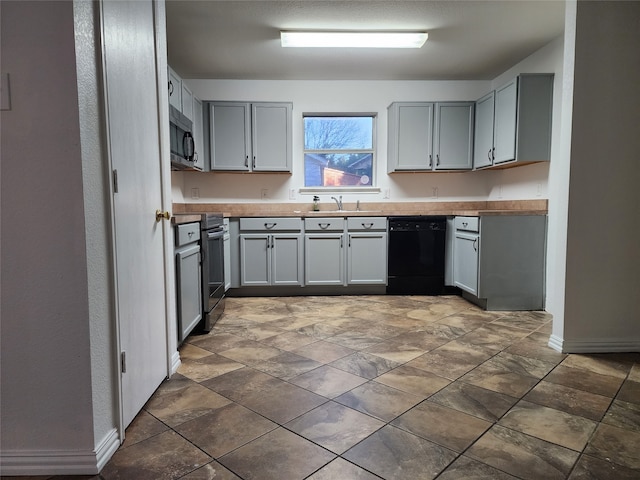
{"x":338,"y":150}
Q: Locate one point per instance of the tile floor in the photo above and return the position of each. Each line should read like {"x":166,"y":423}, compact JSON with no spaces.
{"x":392,"y":387}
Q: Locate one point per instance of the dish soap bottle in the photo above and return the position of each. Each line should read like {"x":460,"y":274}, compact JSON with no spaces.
{"x":316,"y":205}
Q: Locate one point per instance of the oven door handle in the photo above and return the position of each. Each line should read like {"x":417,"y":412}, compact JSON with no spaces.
{"x":215,"y":234}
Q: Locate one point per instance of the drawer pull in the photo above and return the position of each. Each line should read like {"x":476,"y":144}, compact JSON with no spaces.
{"x":367,"y":225}
{"x":324,"y":226}
{"x":464,"y":224}
{"x":475,"y":243}
{"x":269,"y":226}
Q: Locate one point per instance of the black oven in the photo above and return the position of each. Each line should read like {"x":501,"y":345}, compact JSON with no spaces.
{"x":182,"y":143}
{"x":212,"y":243}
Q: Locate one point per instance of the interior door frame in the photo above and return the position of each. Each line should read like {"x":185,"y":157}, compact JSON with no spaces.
{"x":173,"y":358}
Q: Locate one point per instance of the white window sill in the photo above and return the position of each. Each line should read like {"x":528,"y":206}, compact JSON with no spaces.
{"x":321,"y":190}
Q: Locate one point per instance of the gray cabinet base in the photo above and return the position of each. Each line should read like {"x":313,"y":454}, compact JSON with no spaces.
{"x":515,"y":303}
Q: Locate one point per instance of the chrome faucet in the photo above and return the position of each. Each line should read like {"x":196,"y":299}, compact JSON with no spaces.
{"x":338,"y":202}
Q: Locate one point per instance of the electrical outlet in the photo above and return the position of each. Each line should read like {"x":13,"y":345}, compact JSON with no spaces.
{"x":387,"y":193}
{"x":539,"y":190}
{"x":434,"y":192}
{"x":264,"y":194}
{"x":292,"y":194}
{"x":195,"y":192}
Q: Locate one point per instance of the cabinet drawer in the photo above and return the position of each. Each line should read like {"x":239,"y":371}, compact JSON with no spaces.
{"x":187,"y":233}
{"x":325,"y":224}
{"x":366,"y":223}
{"x":277,"y":224}
{"x":469,"y":224}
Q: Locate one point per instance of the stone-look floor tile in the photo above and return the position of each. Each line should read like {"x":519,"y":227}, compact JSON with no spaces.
{"x":355,"y":340}
{"x":328,"y":381}
{"x":589,"y":468}
{"x":283,"y":402}
{"x":292,"y":324}
{"x":207,"y":367}
{"x":262,"y":331}
{"x":287,"y":365}
{"x":288,"y":341}
{"x":378,"y":400}
{"x":561,"y":428}
{"x":218,"y":433}
{"x":451,"y":360}
{"x":616,"y":445}
{"x":507,"y":331}
{"x":166,"y":456}
{"x":395,"y":454}
{"x":241,"y":383}
{"x":142,"y":427}
{"x":211,"y":471}
{"x":395,"y":351}
{"x":630,"y":392}
{"x":634,"y":373}
{"x":334,"y":426}
{"x":570,"y":400}
{"x":319,"y":331}
{"x":364,"y":365}
{"x":624,"y":415}
{"x":323,"y":352}
{"x":251,"y":354}
{"x":216,"y":342}
{"x":525,"y":321}
{"x":189,"y":351}
{"x":277,"y":455}
{"x":486,"y":339}
{"x":179,"y":400}
{"x":419,"y":339}
{"x":467,"y":322}
{"x":413,"y":380}
{"x":599,"y":363}
{"x":465,"y":468}
{"x":442,"y":425}
{"x":340,"y":469}
{"x":380,"y":330}
{"x":528,"y":347}
{"x":442,"y":330}
{"x":523,"y":456}
{"x":476,"y":401}
{"x":585,"y":380}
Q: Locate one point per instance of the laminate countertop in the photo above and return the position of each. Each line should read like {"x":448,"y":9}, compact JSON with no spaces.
{"x":192,"y":211}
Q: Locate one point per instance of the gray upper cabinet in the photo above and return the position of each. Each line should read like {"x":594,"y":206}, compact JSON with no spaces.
{"x":453,"y":136}
{"x":513,"y":123}
{"x":198,"y":135}
{"x":425,"y":136}
{"x":175,"y":89}
{"x":410,"y":142}
{"x":251,"y":136}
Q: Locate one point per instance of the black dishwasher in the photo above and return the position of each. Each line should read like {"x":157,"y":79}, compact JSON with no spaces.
{"x":416,"y":255}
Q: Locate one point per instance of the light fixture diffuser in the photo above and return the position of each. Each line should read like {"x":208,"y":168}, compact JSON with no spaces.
{"x":352,"y":39}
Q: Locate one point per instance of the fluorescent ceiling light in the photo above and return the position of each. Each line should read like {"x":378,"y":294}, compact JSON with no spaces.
{"x":353,"y":39}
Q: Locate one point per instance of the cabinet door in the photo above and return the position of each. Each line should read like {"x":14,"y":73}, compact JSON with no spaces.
{"x":324,"y":259}
{"x":286,"y":259}
{"x":187,"y":102}
{"x":175,"y":89}
{"x":230,"y":136}
{"x":367,"y":259}
{"x":189,"y":281}
{"x":255,"y":267}
{"x":465,"y":262}
{"x":198,"y":134}
{"x":483,"y":133}
{"x":453,"y":137}
{"x":413,"y":130}
{"x":504,"y":135}
{"x":271,"y":137}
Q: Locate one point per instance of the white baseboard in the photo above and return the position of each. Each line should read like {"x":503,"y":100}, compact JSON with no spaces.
{"x":59,"y":462}
{"x":175,"y":362}
{"x":607,"y":345}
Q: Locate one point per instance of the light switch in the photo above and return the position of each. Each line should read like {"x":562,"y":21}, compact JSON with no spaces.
{"x":5,"y":93}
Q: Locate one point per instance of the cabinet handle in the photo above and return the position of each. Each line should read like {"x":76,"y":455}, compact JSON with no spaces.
{"x":324,"y":226}
{"x":272,"y":242}
{"x":367,"y":225}
{"x":341,"y":240}
{"x":269,"y":226}
{"x":170,"y":88}
{"x":438,"y":159}
{"x":254,"y":162}
{"x":489,"y":155}
{"x":430,"y":159}
{"x":475,"y":242}
{"x":493,"y":153}
{"x":246,"y":161}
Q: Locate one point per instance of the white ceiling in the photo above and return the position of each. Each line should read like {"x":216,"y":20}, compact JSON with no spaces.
{"x":239,"y":39}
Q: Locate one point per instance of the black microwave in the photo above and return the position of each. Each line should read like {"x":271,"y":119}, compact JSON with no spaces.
{"x":182,"y":144}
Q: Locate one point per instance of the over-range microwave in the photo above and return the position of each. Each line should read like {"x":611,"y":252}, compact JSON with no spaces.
{"x":182,"y":144}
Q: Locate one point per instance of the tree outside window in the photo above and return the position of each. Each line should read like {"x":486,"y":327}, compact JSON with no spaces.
{"x":338,"y":151}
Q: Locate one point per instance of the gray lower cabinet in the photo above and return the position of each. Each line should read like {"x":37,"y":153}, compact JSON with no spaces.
{"x":272,"y":254}
{"x":188,"y":278}
{"x":499,"y":261}
{"x":324,"y":248}
{"x":367,"y":251}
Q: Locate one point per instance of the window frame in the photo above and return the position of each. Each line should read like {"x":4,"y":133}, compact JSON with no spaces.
{"x":372,"y":188}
